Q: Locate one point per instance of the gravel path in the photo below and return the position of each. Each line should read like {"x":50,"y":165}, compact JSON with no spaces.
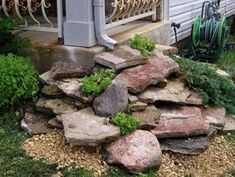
{"x":52,"y":148}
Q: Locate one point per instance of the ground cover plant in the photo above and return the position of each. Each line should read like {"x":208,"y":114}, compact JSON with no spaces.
{"x":214,"y":88}
{"x":10,"y":41}
{"x":18,"y":81}
{"x":127,"y":123}
{"x":143,"y":44}
{"x":97,"y":83}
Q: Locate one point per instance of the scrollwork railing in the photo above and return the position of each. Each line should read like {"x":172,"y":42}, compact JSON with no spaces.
{"x":123,"y":11}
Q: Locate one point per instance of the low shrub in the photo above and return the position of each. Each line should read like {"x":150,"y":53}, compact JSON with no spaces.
{"x":18,"y":80}
{"x":127,"y":123}
{"x":144,"y":45}
{"x":97,"y":83}
{"x":214,"y":88}
{"x":10,"y":41}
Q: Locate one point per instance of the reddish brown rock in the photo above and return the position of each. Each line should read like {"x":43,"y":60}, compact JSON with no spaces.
{"x":154,"y":71}
{"x":181,"y":121}
{"x":215,"y":117}
{"x":121,"y":58}
{"x":136,"y":152}
{"x":148,"y":118}
{"x":64,"y":70}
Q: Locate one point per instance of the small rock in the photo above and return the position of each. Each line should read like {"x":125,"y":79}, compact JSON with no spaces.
{"x":46,"y":78}
{"x":156,"y":70}
{"x":35,"y":124}
{"x":112,"y":101}
{"x":166,"y":50}
{"x":132,"y":99}
{"x":84,"y":128}
{"x":136,"y":152}
{"x":55,"y":106}
{"x":51,"y":91}
{"x":138,"y":106}
{"x":180,"y":122}
{"x":148,"y":118}
{"x":175,"y":91}
{"x":53,"y":123}
{"x":64,"y":70}
{"x":121,"y":58}
{"x":72,"y":88}
{"x":215,"y":117}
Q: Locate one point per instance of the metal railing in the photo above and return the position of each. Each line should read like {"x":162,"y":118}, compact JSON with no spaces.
{"x":34,"y":14}
{"x":120,"y":12}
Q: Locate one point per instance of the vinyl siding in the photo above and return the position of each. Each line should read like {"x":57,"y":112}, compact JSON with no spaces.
{"x":185,"y":11}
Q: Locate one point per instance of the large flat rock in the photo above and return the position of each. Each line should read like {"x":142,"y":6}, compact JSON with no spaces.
{"x":72,"y":88}
{"x":181,"y":122}
{"x":148,"y":118}
{"x":120,"y":58}
{"x":84,"y":128}
{"x":56,"y":106}
{"x":112,"y":101}
{"x":175,"y":91}
{"x":215,"y":117}
{"x":138,"y":78}
{"x":136,"y":152}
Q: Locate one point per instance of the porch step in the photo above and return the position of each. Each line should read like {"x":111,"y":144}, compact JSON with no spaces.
{"x":52,"y":51}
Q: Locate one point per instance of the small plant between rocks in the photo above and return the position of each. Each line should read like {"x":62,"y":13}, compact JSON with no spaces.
{"x":143,"y":44}
{"x":97,"y":83}
{"x":127,"y":123}
{"x":214,"y":88}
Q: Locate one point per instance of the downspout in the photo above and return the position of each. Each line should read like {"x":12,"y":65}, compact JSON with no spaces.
{"x":99,"y":17}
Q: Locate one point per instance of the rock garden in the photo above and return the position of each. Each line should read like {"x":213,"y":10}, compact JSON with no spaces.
{"x":129,"y":110}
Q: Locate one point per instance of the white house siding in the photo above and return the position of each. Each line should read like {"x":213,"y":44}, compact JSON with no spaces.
{"x":185,"y":11}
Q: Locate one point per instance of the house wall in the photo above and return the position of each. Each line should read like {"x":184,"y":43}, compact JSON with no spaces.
{"x":185,"y":11}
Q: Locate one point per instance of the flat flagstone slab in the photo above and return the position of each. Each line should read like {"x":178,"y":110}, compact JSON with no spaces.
{"x":56,"y":106}
{"x":120,"y":58}
{"x":180,"y":122}
{"x":72,"y":88}
{"x":136,"y":152}
{"x":84,"y":128}
{"x":215,"y":117}
{"x":64,"y":70}
{"x":175,"y":91}
{"x":148,"y":118}
{"x":138,"y":78}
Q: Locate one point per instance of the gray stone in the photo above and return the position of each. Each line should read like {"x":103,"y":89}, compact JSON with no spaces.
{"x":120,"y":58}
{"x":138,"y":106}
{"x":156,"y":70}
{"x":46,"y":78}
{"x":229,"y":124}
{"x":72,"y":88}
{"x":175,"y":91}
{"x":132,"y":99}
{"x":64,"y":70}
{"x":215,"y":117}
{"x":35,"y":124}
{"x":112,"y":101}
{"x":55,"y":106}
{"x":84,"y":128}
{"x":136,"y":152}
{"x":54,"y":123}
{"x":148,"y":118}
{"x":180,"y":122}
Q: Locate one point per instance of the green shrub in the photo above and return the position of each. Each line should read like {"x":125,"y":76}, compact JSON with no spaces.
{"x":127,"y":123}
{"x":18,"y":80}
{"x":214,"y":88}
{"x":97,"y":83}
{"x":144,"y":45}
{"x":10,"y":42}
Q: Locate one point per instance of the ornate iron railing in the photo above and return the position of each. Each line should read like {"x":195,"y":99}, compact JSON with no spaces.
{"x":34,"y":14}
{"x":119,"y":12}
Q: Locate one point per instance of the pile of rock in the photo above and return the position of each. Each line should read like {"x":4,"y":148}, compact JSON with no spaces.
{"x":169,"y":112}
